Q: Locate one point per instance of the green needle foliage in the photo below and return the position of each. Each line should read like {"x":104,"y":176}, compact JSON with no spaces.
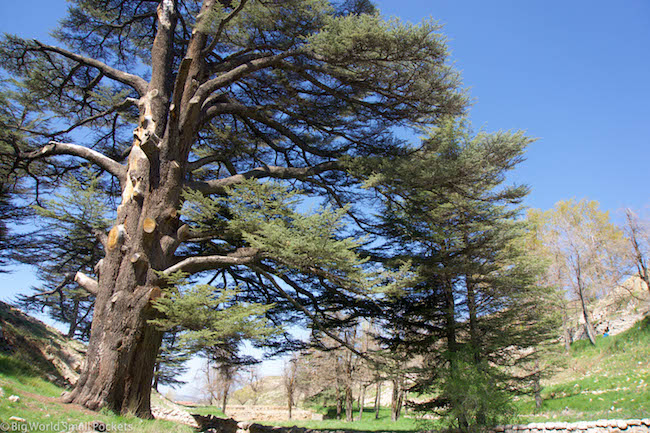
{"x":67,"y":243}
{"x":209,"y":316}
{"x":473,"y":312}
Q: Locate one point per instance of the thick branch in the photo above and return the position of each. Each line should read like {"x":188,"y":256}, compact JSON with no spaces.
{"x":162,"y":52}
{"x":219,"y":186}
{"x":256,"y":113}
{"x":223,"y":80}
{"x":222,"y":25}
{"x":128,"y":102}
{"x":195,"y":165}
{"x":193,"y":265}
{"x":54,"y":148}
{"x":89,"y":284}
{"x":138,"y":83}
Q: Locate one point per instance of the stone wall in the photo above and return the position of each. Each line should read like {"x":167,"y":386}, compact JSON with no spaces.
{"x":600,"y":426}
{"x":213,"y":424}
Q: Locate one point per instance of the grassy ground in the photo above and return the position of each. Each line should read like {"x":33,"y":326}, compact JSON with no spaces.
{"x":367,"y":423}
{"x":206,"y":410}
{"x":40,"y":407}
{"x":606,"y":381}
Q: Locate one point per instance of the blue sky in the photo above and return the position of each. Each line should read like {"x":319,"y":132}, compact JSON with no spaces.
{"x":575,"y":74}
{"x":572,"y":74}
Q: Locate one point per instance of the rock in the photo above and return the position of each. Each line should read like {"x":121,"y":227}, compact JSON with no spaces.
{"x":582,"y":425}
{"x":621,"y":424}
{"x":14,"y":399}
{"x":645,"y":421}
{"x":17,"y":419}
{"x":602,"y":423}
{"x":634,"y":422}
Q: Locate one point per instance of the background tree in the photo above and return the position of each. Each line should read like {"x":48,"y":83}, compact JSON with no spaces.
{"x":171,"y":362}
{"x":289,"y":379}
{"x":638,"y":235}
{"x":586,"y":250}
{"x":473,"y":302}
{"x":168,"y":95}
{"x":66,"y":248}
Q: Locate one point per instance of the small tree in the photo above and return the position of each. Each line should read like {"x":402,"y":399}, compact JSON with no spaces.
{"x":289,"y":377}
{"x":586,"y":252}
{"x":638,"y":235}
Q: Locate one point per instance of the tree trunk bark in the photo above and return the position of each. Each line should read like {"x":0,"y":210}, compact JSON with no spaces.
{"x":378,"y":400}
{"x":290,"y":400}
{"x":74,"y":320}
{"x":537,"y":388}
{"x":156,"y":377}
{"x":362,"y":398}
{"x":591,"y":334}
{"x":123,"y":346}
{"x":349,"y":404}
{"x":120,"y":360}
{"x":450,"y":323}
{"x":339,"y":402}
{"x":397,"y":401}
{"x":224,"y":398}
{"x":473,"y":320}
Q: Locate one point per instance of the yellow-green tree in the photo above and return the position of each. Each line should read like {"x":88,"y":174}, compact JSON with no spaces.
{"x":584,"y":249}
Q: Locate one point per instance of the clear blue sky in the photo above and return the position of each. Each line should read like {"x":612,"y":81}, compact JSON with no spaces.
{"x":574,"y":74}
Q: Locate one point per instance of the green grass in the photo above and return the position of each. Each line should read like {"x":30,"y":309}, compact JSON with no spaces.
{"x":368,"y":422}
{"x":39,"y":405}
{"x":606,"y":381}
{"x":206,"y":410}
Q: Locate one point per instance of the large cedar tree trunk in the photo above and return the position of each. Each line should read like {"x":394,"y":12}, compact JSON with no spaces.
{"x":123,"y":345}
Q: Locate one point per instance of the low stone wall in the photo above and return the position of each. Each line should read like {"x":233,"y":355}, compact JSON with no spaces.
{"x":212,"y":424}
{"x":600,"y":426}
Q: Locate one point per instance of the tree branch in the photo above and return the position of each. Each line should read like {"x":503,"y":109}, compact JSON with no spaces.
{"x":308,"y":313}
{"x":223,"y":80}
{"x":222,"y":25}
{"x":255,"y":113}
{"x":219,"y":186}
{"x":193,"y":265}
{"x":138,"y":83}
{"x":54,"y":148}
{"x":128,"y":102}
{"x":89,"y":284}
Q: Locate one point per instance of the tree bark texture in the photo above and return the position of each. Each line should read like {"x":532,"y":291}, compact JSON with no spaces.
{"x":378,"y":399}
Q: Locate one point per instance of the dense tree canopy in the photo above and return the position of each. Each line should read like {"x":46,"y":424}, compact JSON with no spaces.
{"x":217,"y":99}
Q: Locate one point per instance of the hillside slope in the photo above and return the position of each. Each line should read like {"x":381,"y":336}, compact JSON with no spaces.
{"x":30,"y":349}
